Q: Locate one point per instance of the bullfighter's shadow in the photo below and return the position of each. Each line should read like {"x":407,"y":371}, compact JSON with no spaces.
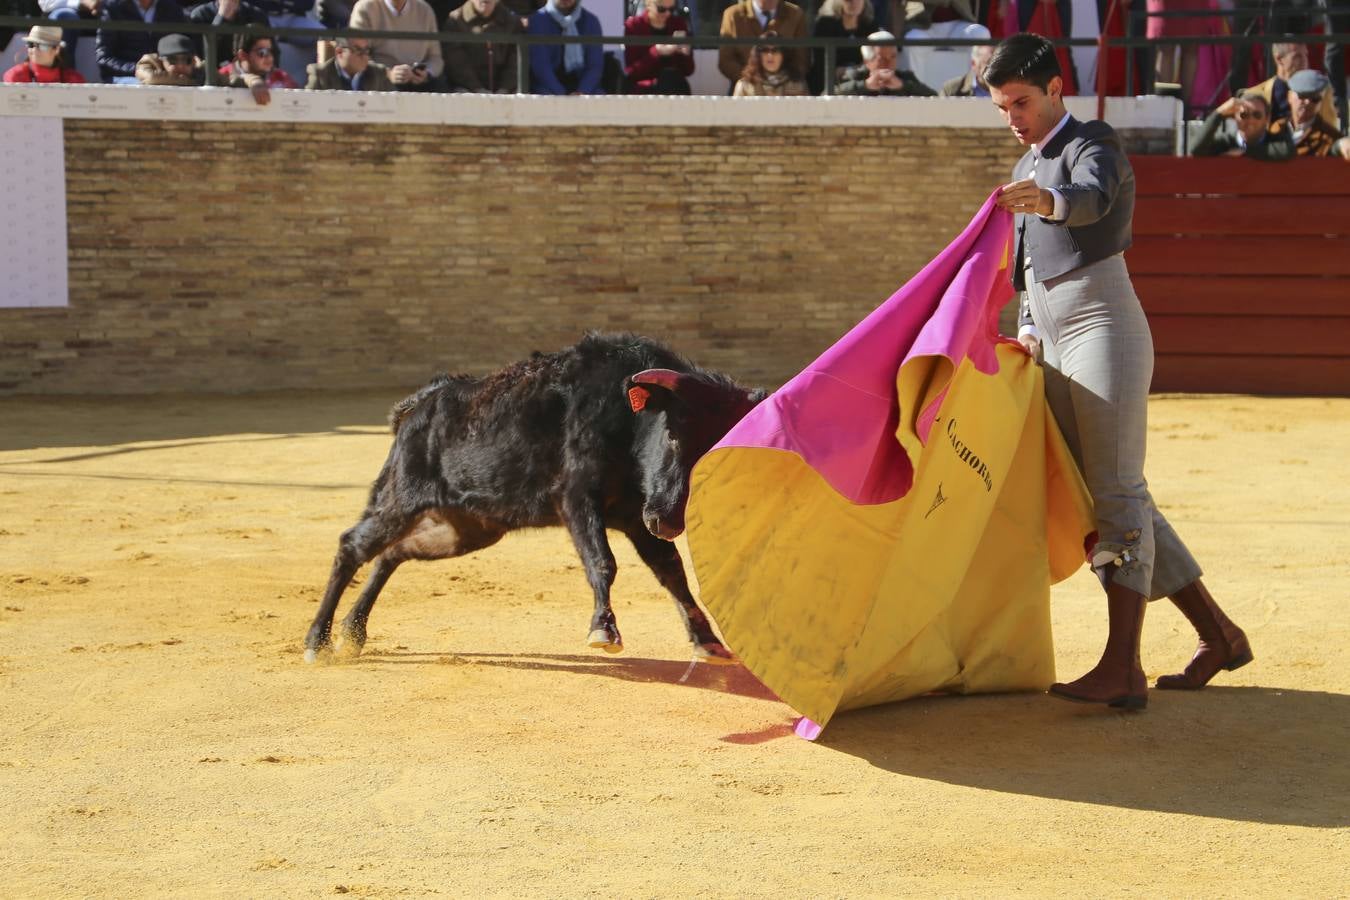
{"x":732,"y":679}
{"x":1254,"y":754}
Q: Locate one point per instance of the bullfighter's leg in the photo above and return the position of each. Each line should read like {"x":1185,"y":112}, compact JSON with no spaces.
{"x":439,"y":534}
{"x":358,"y":545}
{"x":581,"y":515}
{"x":663,"y":558}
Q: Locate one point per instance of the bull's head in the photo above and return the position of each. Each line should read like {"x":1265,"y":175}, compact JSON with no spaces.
{"x":681,"y":415}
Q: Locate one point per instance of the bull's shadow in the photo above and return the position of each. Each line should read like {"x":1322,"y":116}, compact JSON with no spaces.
{"x":724,"y":679}
{"x":1269,"y":755}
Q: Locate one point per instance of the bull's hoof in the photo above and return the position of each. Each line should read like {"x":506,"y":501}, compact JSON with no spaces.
{"x":349,"y":647}
{"x":714,"y":654}
{"x":606,"y":640}
{"x":321,"y":655}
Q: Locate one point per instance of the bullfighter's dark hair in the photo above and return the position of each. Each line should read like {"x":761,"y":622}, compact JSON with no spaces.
{"x":1022,"y":57}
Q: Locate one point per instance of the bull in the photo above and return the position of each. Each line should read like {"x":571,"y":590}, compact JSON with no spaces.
{"x":601,"y":435}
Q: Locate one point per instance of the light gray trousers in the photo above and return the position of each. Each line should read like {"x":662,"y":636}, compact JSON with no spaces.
{"x":1098,"y":366}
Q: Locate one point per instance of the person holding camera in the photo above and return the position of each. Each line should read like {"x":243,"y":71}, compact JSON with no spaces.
{"x":416,"y":64}
{"x":658,"y":68}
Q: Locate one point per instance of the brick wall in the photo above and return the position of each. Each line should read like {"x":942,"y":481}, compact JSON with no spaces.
{"x":219,"y":256}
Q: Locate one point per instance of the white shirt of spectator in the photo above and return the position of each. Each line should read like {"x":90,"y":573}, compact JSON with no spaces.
{"x":760,"y":14}
{"x":393,"y":10}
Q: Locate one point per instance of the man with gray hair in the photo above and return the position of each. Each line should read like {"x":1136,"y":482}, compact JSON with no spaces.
{"x":972,"y":83}
{"x":878,"y":76}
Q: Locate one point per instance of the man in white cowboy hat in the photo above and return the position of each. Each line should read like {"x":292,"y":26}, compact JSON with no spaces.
{"x":45,"y":63}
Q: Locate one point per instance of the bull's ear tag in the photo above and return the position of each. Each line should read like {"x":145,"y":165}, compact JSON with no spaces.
{"x":637,"y":397}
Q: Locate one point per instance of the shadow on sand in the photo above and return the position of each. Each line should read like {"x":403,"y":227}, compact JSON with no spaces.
{"x":723,"y":679}
{"x":1252,"y":754}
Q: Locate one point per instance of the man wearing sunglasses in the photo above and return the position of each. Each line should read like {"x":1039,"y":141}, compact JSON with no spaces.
{"x":1289,"y":58}
{"x":350,"y":69}
{"x":1252,"y":138}
{"x":176,"y":64}
{"x":1305,"y":127}
{"x":256,"y":54}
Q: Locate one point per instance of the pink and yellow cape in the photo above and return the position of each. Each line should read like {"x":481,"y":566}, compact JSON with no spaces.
{"x":889,"y":522}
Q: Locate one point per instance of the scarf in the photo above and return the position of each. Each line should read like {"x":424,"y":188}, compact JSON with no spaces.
{"x":574,"y":55}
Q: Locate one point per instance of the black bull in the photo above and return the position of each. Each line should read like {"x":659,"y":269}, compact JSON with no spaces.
{"x":600,"y":435}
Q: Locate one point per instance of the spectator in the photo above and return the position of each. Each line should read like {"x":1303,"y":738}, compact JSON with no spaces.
{"x":226,"y":12}
{"x":840,"y":19}
{"x":660,"y":68}
{"x":71,"y":10}
{"x":1252,"y":138}
{"x":768,"y":74}
{"x":878,"y":76}
{"x":416,"y":64}
{"x":350,"y":69}
{"x":119,"y":52}
{"x":571,"y":68}
{"x":935,"y":20}
{"x":294,"y":14}
{"x":753,"y":18}
{"x":488,"y":68}
{"x":1310,"y":133}
{"x":46,"y":63}
{"x":972,"y":83}
{"x":1289,"y":58}
{"x":176,"y":63}
{"x":255,"y":54}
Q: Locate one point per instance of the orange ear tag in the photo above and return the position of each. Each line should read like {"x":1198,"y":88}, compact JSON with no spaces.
{"x":637,"y":398}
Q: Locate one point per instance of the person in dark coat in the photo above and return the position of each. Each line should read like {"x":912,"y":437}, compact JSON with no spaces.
{"x":120,"y":51}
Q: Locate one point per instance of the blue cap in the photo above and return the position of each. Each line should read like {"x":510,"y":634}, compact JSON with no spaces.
{"x":1308,"y":81}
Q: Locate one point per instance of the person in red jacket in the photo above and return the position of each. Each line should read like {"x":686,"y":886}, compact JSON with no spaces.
{"x":46,"y":63}
{"x":659,"y":68}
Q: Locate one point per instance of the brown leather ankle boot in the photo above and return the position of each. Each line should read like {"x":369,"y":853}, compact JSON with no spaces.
{"x":1118,"y":679}
{"x":1222,"y":644}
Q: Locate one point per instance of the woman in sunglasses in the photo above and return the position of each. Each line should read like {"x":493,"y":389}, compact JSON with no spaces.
{"x":658,"y":68}
{"x":46,"y":62}
{"x":769,"y":74}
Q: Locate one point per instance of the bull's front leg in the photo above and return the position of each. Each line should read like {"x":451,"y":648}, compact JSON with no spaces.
{"x":663,"y":558}
{"x":581,"y":514}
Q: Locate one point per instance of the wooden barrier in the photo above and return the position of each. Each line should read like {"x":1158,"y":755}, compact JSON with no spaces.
{"x":1244,"y":270}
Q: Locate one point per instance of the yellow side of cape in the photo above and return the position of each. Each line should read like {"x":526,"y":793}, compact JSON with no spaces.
{"x":835,"y":605}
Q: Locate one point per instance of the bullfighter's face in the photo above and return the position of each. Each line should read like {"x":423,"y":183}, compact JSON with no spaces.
{"x":1029,"y":111}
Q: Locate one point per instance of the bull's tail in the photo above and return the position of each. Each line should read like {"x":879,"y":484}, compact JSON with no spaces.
{"x":403,"y":408}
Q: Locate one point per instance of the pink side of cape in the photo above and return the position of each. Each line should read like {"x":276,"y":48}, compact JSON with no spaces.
{"x":840,"y":413}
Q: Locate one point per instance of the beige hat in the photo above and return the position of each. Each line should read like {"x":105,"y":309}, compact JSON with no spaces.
{"x":45,"y":34}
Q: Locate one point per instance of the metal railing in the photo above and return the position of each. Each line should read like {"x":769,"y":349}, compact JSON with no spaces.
{"x":829,"y":45}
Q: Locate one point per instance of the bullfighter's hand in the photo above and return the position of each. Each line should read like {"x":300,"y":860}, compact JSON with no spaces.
{"x":1026,"y":196}
{"x":1031,"y":344}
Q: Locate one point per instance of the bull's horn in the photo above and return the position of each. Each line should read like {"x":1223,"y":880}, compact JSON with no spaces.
{"x":665,"y":378}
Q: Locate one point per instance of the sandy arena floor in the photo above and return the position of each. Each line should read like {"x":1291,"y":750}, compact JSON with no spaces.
{"x":160,"y":560}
